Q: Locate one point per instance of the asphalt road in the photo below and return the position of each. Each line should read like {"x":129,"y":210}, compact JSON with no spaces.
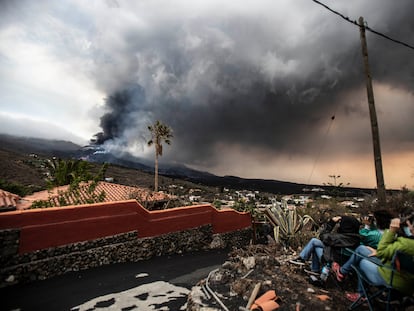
{"x":161,"y":283}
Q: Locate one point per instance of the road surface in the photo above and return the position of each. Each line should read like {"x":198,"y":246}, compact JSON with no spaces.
{"x":161,"y":283}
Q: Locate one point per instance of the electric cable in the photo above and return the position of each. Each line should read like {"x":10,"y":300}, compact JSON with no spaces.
{"x":366,"y":26}
{"x":321,"y":147}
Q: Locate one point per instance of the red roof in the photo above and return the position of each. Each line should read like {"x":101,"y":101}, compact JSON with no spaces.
{"x":8,"y":201}
{"x":113,"y":192}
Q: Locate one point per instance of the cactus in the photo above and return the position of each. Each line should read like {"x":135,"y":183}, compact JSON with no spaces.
{"x":286,"y":221}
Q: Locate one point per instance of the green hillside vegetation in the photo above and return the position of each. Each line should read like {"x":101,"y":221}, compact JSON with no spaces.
{"x":25,"y":173}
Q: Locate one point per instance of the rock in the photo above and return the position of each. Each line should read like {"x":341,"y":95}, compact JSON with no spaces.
{"x":141,"y":275}
{"x":10,"y":279}
{"x":228,"y":265}
{"x":217,"y":242}
{"x":249,"y":262}
{"x":242,"y":287}
{"x":217,"y":277}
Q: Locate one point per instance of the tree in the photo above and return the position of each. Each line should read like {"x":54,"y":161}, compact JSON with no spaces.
{"x":336,"y":187}
{"x":63,"y":172}
{"x":72,"y":171}
{"x":159,"y":133}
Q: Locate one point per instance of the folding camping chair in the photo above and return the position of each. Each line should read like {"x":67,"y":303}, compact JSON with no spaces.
{"x":401,"y":262}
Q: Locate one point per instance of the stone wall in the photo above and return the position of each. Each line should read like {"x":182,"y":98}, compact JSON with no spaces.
{"x":9,"y":243}
{"x":46,"y":263}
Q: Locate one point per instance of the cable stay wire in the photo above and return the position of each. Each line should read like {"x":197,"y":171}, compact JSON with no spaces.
{"x":366,"y":26}
{"x":321,"y":147}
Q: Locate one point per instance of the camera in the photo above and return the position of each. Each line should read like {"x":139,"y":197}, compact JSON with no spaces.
{"x":409,"y":217}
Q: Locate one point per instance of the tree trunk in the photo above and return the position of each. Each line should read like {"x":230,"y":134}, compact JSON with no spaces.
{"x":156,"y":173}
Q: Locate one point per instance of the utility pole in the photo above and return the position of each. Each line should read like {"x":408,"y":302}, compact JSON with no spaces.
{"x":374,"y":123}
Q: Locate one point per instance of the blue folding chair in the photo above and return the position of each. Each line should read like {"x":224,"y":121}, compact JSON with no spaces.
{"x":401,"y":263}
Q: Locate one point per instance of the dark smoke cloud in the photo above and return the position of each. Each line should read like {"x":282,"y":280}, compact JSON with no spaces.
{"x":258,"y":88}
{"x":250,"y":82}
{"x":121,"y":105}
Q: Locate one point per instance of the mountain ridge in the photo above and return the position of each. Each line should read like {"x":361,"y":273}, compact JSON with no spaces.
{"x":97,"y":154}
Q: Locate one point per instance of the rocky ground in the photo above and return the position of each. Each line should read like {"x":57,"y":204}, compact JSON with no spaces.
{"x":268,"y":265}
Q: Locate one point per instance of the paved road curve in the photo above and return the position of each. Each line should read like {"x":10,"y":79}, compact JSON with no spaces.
{"x":161,"y":283}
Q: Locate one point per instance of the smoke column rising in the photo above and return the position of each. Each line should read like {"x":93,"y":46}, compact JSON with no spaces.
{"x":263,"y":78}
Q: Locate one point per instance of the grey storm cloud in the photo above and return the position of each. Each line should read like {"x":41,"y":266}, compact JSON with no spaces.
{"x":253,"y":80}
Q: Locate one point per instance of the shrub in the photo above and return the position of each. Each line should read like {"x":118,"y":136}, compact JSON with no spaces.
{"x":14,"y":188}
{"x":286,"y":221}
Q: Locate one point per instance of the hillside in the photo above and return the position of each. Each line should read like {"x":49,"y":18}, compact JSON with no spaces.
{"x":19,"y":169}
{"x":27,"y":145}
{"x":15,"y":169}
{"x":20,"y":162}
{"x":18,"y":166}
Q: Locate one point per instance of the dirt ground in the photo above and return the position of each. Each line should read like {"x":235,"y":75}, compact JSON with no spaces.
{"x":269,"y":265}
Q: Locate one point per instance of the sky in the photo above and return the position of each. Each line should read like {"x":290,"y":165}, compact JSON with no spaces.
{"x":256,"y":89}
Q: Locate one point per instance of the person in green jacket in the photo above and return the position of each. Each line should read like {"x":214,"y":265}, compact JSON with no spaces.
{"x":388,"y":245}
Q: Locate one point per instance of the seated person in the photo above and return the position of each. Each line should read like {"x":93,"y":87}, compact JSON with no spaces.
{"x":371,"y":235}
{"x":407,"y":226}
{"x":389,"y":244}
{"x":346,"y":235}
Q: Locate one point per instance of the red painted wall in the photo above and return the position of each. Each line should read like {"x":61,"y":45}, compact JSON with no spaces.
{"x":50,"y":227}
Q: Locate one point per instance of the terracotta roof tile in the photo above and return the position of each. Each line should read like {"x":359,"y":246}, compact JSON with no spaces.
{"x":8,"y":200}
{"x":113,"y":192}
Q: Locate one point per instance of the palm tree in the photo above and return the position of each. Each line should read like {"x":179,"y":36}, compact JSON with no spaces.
{"x":72,"y":171}
{"x":159,"y":133}
{"x":63,"y":172}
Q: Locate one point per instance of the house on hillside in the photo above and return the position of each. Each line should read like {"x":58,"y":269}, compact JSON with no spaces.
{"x":84,"y":194}
{"x":8,"y":201}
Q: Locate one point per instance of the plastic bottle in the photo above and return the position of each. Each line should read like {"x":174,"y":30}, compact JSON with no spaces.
{"x":325,"y":272}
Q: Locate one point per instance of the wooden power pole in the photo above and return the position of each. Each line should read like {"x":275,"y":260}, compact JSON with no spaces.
{"x":373,"y":116}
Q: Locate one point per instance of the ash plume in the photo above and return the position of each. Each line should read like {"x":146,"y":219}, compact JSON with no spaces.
{"x":267,"y":84}
{"x":121,"y":107}
{"x":263,"y":88}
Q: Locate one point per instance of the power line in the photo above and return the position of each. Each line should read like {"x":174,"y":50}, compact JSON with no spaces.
{"x":322,"y":146}
{"x":366,"y":27}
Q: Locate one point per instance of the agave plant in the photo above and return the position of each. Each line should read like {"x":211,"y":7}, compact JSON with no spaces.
{"x":286,"y":221}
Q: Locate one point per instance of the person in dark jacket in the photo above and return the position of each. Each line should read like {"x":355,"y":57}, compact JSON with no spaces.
{"x":339,"y":232}
{"x":347,"y":236}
